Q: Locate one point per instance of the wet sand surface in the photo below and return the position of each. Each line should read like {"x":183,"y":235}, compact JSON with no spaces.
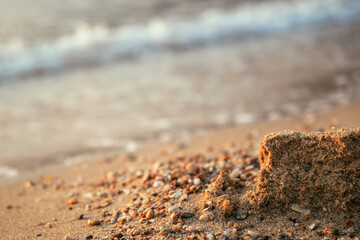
{"x":49,"y":120}
{"x":126,"y":195}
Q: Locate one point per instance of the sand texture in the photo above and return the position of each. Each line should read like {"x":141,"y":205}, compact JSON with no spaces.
{"x":199,"y":188}
{"x":315,"y":170}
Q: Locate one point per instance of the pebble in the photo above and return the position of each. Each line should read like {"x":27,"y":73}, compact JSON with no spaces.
{"x":174,"y":216}
{"x":247,"y":238}
{"x":173,"y":208}
{"x":197,"y":181}
{"x":165,"y":231}
{"x":149,"y":213}
{"x":187,"y":215}
{"x":223,"y":237}
{"x":191,"y":168}
{"x":348,"y":223}
{"x":206,"y":217}
{"x":330,"y":231}
{"x":134,"y":232}
{"x":113,"y":220}
{"x":253,"y":234}
{"x":93,"y":222}
{"x":183,"y":198}
{"x":67,"y":237}
{"x":29,"y":184}
{"x":133,"y":213}
{"x":116,"y":214}
{"x":298,"y":209}
{"x":235,"y":173}
{"x":48,"y":225}
{"x":118,"y":235}
{"x":313,"y":226}
{"x":210,"y":236}
{"x":242,"y":215}
{"x":176,"y":195}
{"x":157,"y":184}
{"x":71,"y":202}
{"x":87,"y":207}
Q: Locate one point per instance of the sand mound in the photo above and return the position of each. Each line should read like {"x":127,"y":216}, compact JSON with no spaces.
{"x":316,"y":170}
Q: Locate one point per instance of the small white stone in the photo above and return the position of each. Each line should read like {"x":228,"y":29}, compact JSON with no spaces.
{"x":197,"y":181}
{"x":113,"y":220}
{"x":157,"y":184}
{"x":210,"y":236}
{"x":253,"y":234}
{"x":313,"y":226}
{"x":235,"y":173}
{"x":176,"y":195}
{"x":173,"y":208}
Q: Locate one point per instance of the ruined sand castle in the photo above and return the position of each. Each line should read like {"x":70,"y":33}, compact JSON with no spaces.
{"x":315,"y":170}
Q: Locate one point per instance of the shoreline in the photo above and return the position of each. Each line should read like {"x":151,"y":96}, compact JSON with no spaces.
{"x":63,"y":160}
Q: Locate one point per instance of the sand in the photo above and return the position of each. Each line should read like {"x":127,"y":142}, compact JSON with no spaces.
{"x":196,"y":189}
{"x":316,"y":170}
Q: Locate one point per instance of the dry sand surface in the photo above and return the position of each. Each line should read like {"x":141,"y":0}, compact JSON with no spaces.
{"x":210,"y":187}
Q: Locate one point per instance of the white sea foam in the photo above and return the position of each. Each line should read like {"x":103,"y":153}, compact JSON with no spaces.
{"x":98,"y":44}
{"x":8,"y":172}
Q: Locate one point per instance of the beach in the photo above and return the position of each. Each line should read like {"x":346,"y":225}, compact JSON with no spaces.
{"x":51,"y":119}
{"x":171,"y":119}
{"x":66,"y":202}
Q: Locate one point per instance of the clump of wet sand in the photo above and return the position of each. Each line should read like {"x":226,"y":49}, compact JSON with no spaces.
{"x":317,"y":170}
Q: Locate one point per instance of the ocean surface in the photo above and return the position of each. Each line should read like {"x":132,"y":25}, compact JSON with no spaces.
{"x":94,"y":76}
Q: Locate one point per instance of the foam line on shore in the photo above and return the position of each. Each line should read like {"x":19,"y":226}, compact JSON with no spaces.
{"x":8,"y":172}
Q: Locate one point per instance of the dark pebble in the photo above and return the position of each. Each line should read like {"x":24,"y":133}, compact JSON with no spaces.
{"x":89,"y":237}
{"x":187,"y":215}
{"x":81,"y":216}
{"x":39,"y":234}
{"x":234,"y":237}
{"x":119,"y":235}
{"x":283,"y":237}
{"x":223,"y":237}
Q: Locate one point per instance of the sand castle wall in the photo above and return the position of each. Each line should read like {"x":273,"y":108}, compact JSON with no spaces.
{"x":316,"y":170}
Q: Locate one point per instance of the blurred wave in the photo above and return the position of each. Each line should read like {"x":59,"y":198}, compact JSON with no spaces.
{"x":98,"y":44}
